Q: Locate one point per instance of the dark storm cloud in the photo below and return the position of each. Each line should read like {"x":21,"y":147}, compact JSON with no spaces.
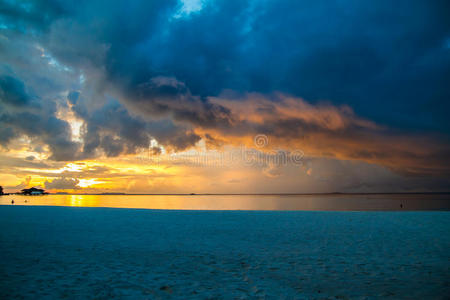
{"x":36,"y":120}
{"x":6,"y":135}
{"x":165,"y":96}
{"x":26,"y":15}
{"x":50,"y":130}
{"x":71,"y":40}
{"x":12,"y":91}
{"x":112,"y":129}
{"x":389,"y":61}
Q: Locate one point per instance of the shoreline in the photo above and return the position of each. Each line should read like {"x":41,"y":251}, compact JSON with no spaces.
{"x":239,"y":194}
{"x":440,"y":202}
{"x":238,"y":210}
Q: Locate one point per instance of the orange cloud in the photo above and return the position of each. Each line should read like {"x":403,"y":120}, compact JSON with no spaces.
{"x":324,"y":130}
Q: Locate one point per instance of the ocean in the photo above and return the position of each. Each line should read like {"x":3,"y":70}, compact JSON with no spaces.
{"x":308,"y":202}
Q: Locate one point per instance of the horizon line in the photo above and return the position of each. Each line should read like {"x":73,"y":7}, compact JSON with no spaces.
{"x":241,"y":194}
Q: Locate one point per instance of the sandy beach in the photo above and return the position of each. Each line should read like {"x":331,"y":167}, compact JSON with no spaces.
{"x":73,"y":252}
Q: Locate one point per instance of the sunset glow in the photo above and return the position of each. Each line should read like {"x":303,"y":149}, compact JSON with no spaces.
{"x":224,"y":149}
{"x":177,"y":108}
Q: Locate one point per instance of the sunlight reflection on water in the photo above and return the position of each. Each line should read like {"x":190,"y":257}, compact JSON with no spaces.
{"x":244,"y":202}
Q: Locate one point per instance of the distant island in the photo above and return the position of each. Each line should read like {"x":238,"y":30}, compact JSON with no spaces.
{"x":112,"y":194}
{"x":27,"y":192}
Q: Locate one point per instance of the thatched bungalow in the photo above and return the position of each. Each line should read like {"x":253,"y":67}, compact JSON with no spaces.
{"x":33,"y":191}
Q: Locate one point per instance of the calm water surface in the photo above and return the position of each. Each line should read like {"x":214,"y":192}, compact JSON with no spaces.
{"x":244,"y":202}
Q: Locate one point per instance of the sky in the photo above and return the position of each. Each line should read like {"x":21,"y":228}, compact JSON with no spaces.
{"x":225,"y":96}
